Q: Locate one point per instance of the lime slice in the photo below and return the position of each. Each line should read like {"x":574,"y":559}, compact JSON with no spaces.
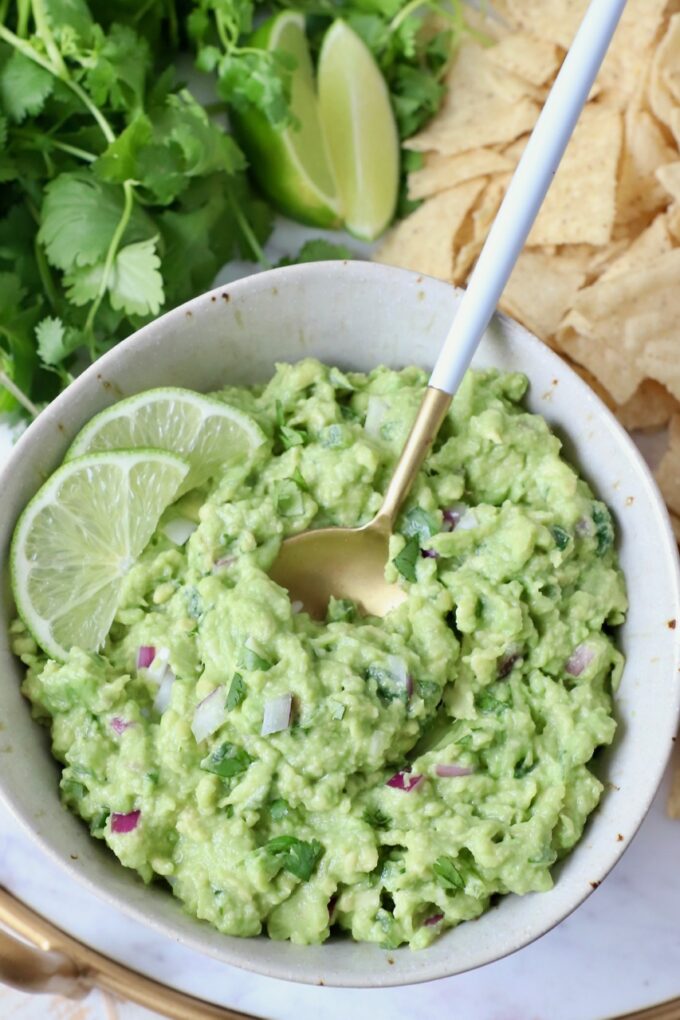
{"x":206,"y":432}
{"x":292,"y":166}
{"x":78,"y":537}
{"x":361,"y":131}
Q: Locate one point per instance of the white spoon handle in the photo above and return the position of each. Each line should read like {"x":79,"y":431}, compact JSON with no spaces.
{"x":526,"y":192}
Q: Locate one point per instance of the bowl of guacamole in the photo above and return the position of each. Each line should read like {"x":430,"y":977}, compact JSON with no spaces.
{"x":360,"y":801}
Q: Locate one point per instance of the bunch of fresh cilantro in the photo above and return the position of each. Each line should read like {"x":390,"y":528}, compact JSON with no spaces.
{"x":120,"y":195}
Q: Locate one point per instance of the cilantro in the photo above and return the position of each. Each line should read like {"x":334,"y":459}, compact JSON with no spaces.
{"x":194,"y":604}
{"x":251,"y":660}
{"x":318,"y":250}
{"x":227,"y":760}
{"x":237,"y":692}
{"x":420,"y":523}
{"x":376,"y":818}
{"x":427,"y":689}
{"x":299,"y":480}
{"x":447,"y":874}
{"x":295,"y":855}
{"x":604,"y":528}
{"x":406,"y":560}
{"x":340,"y":609}
{"x":287,"y":435}
{"x":389,"y":687}
{"x":279,"y":809}
{"x":561,"y":536}
{"x":24,"y":87}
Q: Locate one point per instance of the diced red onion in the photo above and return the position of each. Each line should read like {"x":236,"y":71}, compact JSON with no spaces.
{"x":119,"y":725}
{"x":451,"y":771}
{"x":506,"y":664}
{"x":223,"y":563}
{"x":297,"y":606}
{"x":453,"y":514}
{"x":276,"y":715}
{"x":145,"y":656}
{"x":179,"y":530}
{"x":375,"y":415}
{"x":584,"y":526}
{"x":405,"y":781}
{"x":159,"y":666}
{"x":429,"y":554}
{"x":435,"y":919}
{"x":209,"y":715}
{"x":162,"y":699}
{"x":125,"y":823}
{"x":579,"y":659}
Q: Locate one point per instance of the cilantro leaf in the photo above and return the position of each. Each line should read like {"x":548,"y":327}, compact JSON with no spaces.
{"x":317,"y":250}
{"x":79,"y":216}
{"x":295,"y":855}
{"x":55,"y":341}
{"x":376,"y":818}
{"x":447,"y":874}
{"x":252,"y":660}
{"x":136,"y":285}
{"x":604,"y":528}
{"x":227,"y":760}
{"x":561,"y":536}
{"x":279,"y":809}
{"x":237,"y":692}
{"x":24,"y":87}
{"x":406,"y":560}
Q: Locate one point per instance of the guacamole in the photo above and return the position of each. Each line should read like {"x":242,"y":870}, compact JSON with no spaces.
{"x":383,"y":777}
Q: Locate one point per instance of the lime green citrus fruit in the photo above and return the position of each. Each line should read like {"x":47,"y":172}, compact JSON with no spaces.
{"x":291,"y":165}
{"x":206,"y":432}
{"x":360,"y":129}
{"x":78,"y":537}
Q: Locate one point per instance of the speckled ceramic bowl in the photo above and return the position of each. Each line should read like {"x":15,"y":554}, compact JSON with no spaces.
{"x":358,"y":315}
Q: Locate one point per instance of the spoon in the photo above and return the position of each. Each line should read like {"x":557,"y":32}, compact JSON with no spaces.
{"x":350,"y":562}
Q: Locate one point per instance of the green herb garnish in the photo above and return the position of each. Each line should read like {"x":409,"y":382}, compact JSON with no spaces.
{"x":295,"y":855}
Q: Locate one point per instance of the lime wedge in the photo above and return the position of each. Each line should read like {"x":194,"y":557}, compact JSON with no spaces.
{"x":78,"y":537}
{"x":204,"y":431}
{"x":292,"y":166}
{"x":360,"y":129}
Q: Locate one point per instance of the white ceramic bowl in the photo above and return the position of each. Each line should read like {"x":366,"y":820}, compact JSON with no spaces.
{"x":358,"y":315}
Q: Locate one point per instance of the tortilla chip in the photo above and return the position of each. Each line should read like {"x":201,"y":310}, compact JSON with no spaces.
{"x":540,"y":290}
{"x":484,"y":105}
{"x":473,"y":233}
{"x":663,"y":73}
{"x":650,"y":407}
{"x":608,"y":362}
{"x":669,"y":175}
{"x":673,"y":803}
{"x":675,"y":524}
{"x":647,"y":246}
{"x":558,"y":21}
{"x":528,"y":57}
{"x":645,"y":149}
{"x":424,"y":240}
{"x":580,"y":205}
{"x":440,"y":173}
{"x":659,"y":356}
{"x":675,"y":125}
{"x":673,"y":220}
{"x":668,"y":471}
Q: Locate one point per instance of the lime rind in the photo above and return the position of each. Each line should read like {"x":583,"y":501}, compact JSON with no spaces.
{"x":78,"y":536}
{"x":206,"y":431}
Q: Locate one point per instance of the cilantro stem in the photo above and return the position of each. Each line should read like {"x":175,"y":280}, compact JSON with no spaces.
{"x":32,"y":54}
{"x":45,"y":33}
{"x":110,"y":256}
{"x":248,"y":232}
{"x":222,"y":32}
{"x":73,"y":150}
{"x":24,"y":7}
{"x":45,"y":274}
{"x":18,"y":394}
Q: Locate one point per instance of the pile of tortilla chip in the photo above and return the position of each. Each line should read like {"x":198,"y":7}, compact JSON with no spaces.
{"x":600,"y":278}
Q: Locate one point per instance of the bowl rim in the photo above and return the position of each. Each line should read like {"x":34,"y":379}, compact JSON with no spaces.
{"x":667,"y":550}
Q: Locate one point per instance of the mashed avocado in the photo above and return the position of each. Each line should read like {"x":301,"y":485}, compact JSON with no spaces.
{"x":383,"y":777}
